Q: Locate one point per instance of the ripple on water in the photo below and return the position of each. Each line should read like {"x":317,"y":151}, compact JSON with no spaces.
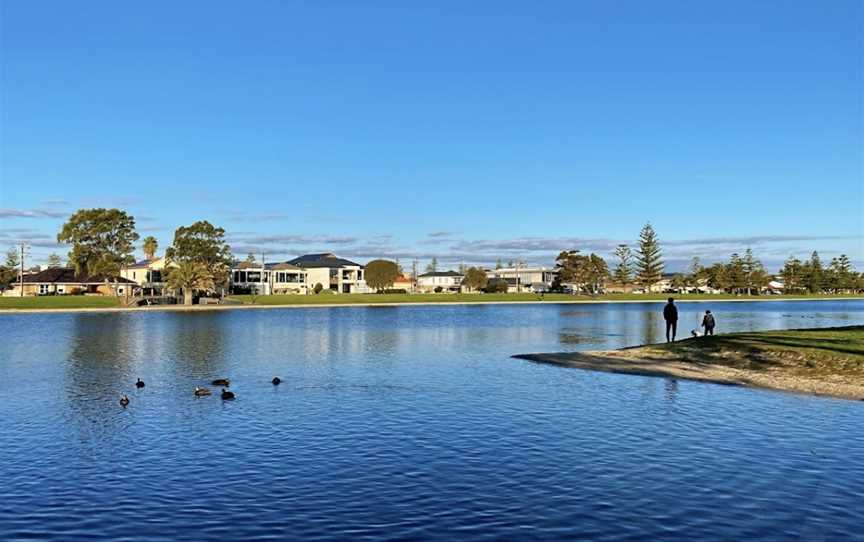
{"x":408,"y":423}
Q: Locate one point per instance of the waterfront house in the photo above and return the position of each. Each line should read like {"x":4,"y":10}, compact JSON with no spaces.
{"x":331,"y":272}
{"x":149,"y":275}
{"x":64,"y":281}
{"x":286,"y":278}
{"x":403,"y":282}
{"x":525,"y":279}
{"x":250,"y":278}
{"x":447,"y":281}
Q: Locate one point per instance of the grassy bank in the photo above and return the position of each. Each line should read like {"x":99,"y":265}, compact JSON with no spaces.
{"x":59,"y":302}
{"x":819,"y":361}
{"x":352,"y":299}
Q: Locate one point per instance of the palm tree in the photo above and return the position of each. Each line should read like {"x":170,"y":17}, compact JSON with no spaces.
{"x":189,"y":276}
{"x":150,"y":245}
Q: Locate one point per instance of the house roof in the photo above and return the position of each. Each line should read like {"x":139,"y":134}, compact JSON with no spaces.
{"x":325,"y":259}
{"x":67,"y":275}
{"x":143,"y":264}
{"x":282,"y":266}
{"x":247,"y":265}
{"x":442,"y":274}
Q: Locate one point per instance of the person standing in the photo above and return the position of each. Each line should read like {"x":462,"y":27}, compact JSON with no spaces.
{"x":708,"y":323}
{"x":670,"y":314}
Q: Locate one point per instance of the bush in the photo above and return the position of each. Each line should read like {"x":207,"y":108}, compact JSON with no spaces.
{"x":438,"y":289}
{"x":318,"y":287}
{"x":394,"y":291}
{"x":496,"y":286}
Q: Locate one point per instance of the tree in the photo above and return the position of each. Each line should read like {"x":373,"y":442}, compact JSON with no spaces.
{"x":102,"y":240}
{"x":649,"y":261}
{"x":380,"y":274}
{"x":496,"y":286}
{"x":791,"y":274}
{"x":433,"y":266}
{"x":755,"y":277}
{"x":679,"y":282}
{"x":718,"y":277}
{"x":250,"y":258}
{"x":318,"y":287}
{"x":9,"y":270}
{"x":697,"y":273}
{"x":150,"y":245}
{"x":813,"y":274}
{"x":202,"y":243}
{"x":624,"y":269}
{"x":498,"y":264}
{"x":475,"y":278}
{"x":736,"y":274}
{"x":588,"y":273}
{"x":189,"y":276}
{"x":842,"y":276}
{"x":54,"y":261}
{"x":12,"y":258}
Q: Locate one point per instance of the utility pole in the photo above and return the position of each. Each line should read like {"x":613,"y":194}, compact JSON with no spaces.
{"x":21,"y":278}
{"x":414,"y":276}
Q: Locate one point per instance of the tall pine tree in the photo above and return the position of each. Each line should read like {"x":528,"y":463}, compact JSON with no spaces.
{"x":624,"y":269}
{"x":649,"y":261}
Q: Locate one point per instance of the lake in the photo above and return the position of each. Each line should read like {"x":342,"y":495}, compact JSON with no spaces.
{"x":408,"y":423}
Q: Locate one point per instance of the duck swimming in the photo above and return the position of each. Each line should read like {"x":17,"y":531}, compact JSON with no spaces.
{"x":139,"y":384}
{"x":124,"y":401}
{"x":227,"y":395}
{"x":201,"y":392}
{"x":276,"y":381}
{"x":221,"y":382}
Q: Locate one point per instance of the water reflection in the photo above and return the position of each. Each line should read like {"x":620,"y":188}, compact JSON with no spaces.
{"x":377,"y":406}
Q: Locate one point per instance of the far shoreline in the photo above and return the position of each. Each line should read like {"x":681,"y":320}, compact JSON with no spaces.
{"x":244,"y":306}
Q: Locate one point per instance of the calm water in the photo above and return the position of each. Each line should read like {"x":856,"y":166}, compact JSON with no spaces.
{"x":409,"y":423}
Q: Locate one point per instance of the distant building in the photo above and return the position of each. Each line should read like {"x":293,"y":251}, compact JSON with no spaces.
{"x":403,"y":282}
{"x":64,"y":281}
{"x":149,"y":275}
{"x":334,"y":273}
{"x":525,"y":279}
{"x":446,"y":280}
{"x":299,"y":276}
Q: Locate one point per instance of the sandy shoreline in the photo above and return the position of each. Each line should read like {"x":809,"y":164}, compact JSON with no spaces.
{"x":622,"y":362}
{"x":196,"y":308}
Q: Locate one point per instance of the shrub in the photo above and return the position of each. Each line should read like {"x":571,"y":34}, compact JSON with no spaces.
{"x":438,"y":289}
{"x":318,"y":287}
{"x":496,"y":286}
{"x":395,"y":291}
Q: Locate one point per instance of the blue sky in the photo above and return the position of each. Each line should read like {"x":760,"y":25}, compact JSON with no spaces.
{"x":466,"y":131}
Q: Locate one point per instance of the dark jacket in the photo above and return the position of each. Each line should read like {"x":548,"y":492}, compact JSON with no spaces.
{"x":670,"y":313}
{"x":708,"y":321}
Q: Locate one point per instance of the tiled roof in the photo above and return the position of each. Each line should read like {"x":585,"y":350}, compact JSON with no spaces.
{"x":441,"y":274}
{"x":325,"y":259}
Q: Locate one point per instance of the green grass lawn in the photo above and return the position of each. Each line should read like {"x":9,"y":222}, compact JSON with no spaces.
{"x":811,"y":351}
{"x":350,"y":299}
{"x":58,"y":302}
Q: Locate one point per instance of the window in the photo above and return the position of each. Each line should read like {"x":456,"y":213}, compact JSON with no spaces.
{"x":43,"y":289}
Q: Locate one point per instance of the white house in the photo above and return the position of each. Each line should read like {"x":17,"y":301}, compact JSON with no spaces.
{"x":334,"y":273}
{"x":446,"y":280}
{"x":149,"y":275}
{"x":525,"y":279}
